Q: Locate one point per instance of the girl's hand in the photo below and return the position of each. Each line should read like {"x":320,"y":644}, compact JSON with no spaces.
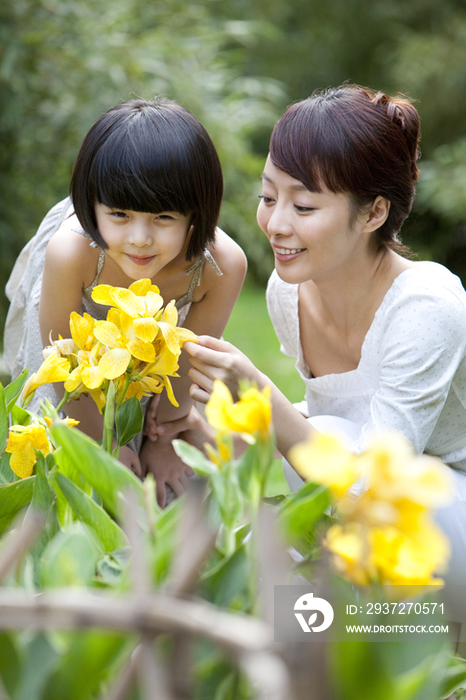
{"x":192,"y":428}
{"x":130,"y":459}
{"x":159,"y":458}
{"x":150,"y":422}
{"x":216,"y":359}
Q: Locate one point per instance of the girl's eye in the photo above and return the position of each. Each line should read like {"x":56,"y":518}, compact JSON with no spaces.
{"x":303,"y":210}
{"x":118,"y":214}
{"x":165,"y":217}
{"x":266,"y":200}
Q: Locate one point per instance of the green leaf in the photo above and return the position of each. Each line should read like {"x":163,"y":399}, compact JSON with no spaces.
{"x":13,"y":497}
{"x":36,"y":668}
{"x":4,"y":423}
{"x":70,"y":558}
{"x":110,"y":567}
{"x":14,"y":389}
{"x":129,"y":420}
{"x":19,"y":416}
{"x":298,"y":516}
{"x":10,"y":663}
{"x":42,"y":496}
{"x":85,"y":664}
{"x":7,"y":475}
{"x":194,"y":458}
{"x":276,"y":485}
{"x":93,"y":515}
{"x":453,"y":677}
{"x":107,"y":476}
{"x":226,"y":584}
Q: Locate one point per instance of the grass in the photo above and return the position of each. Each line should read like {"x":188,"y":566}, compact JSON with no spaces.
{"x":250,"y":329}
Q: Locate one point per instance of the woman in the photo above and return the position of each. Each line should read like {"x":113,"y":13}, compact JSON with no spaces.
{"x":379,"y":339}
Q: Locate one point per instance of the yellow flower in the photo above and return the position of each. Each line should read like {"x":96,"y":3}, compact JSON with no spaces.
{"x":22,"y":442}
{"x":222,"y":454}
{"x":348,"y":546}
{"x":140,"y":302}
{"x":324,"y":460}
{"x":409,"y":559}
{"x":82,"y":330}
{"x":396,"y":473}
{"x":70,"y":422}
{"x":53,"y":369}
{"x":252,"y":413}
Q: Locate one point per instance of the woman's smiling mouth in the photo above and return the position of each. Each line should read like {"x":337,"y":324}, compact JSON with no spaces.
{"x":287,"y":254}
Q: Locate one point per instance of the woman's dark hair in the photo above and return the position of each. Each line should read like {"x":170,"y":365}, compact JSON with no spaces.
{"x":352,"y":139}
{"x":149,"y":157}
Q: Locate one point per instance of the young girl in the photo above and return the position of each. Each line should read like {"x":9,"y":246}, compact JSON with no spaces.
{"x":379,"y":339}
{"x":144,"y":201}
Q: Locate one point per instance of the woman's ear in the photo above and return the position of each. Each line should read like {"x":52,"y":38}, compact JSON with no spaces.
{"x":377,"y":214}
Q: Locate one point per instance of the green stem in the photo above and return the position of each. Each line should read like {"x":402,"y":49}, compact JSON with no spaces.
{"x":63,"y":401}
{"x":109,"y":418}
{"x":123,"y":393}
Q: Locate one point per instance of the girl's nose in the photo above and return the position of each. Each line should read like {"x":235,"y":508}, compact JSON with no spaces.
{"x":140,"y":234}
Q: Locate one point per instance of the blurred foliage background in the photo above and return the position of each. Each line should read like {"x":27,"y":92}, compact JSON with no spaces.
{"x":236,"y":65}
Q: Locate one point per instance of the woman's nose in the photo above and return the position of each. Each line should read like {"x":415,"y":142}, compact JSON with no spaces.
{"x":279,"y":221}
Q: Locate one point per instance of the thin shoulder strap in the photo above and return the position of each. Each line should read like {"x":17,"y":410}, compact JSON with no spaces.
{"x":196,"y":269}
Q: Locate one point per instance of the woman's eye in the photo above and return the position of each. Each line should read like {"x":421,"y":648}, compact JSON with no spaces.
{"x":303,"y":210}
{"x":165,"y":217}
{"x":118,"y":214}
{"x":266,"y":200}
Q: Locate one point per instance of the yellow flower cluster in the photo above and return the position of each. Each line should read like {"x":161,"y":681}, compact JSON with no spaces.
{"x":387,"y":535}
{"x":251,"y":414}
{"x":23,"y":440}
{"x":138,"y":345}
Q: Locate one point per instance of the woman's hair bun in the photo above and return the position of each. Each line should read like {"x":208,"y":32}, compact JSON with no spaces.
{"x":402,"y":113}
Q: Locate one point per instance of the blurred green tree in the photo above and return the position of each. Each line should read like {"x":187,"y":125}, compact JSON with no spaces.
{"x":62,"y":64}
{"x":236,"y":66}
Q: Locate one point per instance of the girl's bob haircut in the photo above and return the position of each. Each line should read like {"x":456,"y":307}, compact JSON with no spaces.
{"x":149,"y":157}
{"x":354,"y":140}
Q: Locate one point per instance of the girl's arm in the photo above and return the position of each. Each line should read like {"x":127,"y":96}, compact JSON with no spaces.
{"x":216,"y":359}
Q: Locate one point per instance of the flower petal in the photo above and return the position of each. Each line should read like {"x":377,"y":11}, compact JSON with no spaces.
{"x":114,"y":363}
{"x":141,"y":350}
{"x":108,"y":333}
{"x":145,"y":329}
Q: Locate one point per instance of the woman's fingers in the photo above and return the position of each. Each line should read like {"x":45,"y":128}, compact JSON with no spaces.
{"x":199,"y":394}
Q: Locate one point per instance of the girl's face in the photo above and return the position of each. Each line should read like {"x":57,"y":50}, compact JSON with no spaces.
{"x":309,"y":232}
{"x":142,"y":243}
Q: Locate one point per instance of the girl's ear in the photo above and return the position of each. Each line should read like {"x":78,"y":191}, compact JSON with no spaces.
{"x":377,"y":214}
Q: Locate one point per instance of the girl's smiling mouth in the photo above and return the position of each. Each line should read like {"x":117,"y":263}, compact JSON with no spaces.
{"x":141,"y":260}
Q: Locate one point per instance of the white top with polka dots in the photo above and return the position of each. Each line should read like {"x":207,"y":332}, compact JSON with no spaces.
{"x":412,"y":372}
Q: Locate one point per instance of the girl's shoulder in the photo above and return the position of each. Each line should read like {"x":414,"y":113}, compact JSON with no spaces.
{"x":229,"y":256}
{"x":69,"y":252}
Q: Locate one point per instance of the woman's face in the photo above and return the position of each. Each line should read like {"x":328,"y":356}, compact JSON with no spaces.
{"x":309,"y":232}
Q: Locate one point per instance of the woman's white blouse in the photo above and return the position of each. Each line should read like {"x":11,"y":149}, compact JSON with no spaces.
{"x":412,"y":372}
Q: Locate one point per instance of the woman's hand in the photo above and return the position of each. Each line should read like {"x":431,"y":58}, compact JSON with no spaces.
{"x":216,"y":359}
